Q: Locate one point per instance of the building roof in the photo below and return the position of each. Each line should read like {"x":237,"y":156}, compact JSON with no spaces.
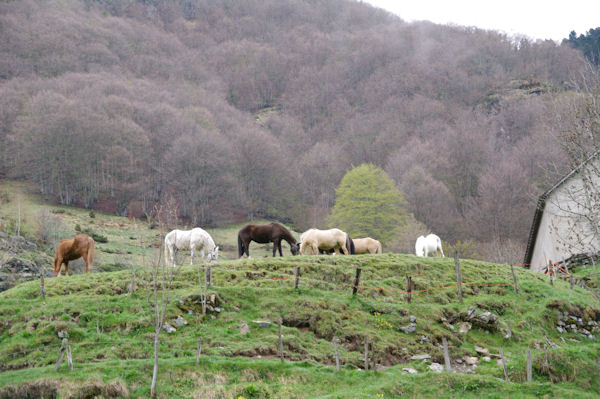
{"x":541,"y":204}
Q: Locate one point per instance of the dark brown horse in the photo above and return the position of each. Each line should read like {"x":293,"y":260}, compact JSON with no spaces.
{"x":263,"y":234}
{"x":67,"y":250}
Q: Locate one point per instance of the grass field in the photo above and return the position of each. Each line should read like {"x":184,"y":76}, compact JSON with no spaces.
{"x":110,"y":330}
{"x":129,"y":241}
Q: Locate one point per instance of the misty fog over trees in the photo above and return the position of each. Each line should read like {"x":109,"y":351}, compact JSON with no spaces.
{"x":252,"y":108}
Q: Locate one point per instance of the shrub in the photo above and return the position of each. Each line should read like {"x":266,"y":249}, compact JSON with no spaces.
{"x":49,"y":225}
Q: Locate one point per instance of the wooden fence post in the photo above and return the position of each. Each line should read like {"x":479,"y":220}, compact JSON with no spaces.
{"x":512,"y":269}
{"x":132,"y":285}
{"x":280,"y":341}
{"x":366,"y":352}
{"x":458,"y":277}
{"x":529,"y":373}
{"x":446,"y":355}
{"x":337,"y":355}
{"x":356,"y":281}
{"x":551,"y":272}
{"x":408,"y":288}
{"x":69,"y":358}
{"x":199,"y":351}
{"x":297,"y":274}
{"x":598,"y":362}
{"x":43,"y":286}
{"x":571,"y":280}
{"x":503,"y":359}
{"x":61,"y":353}
{"x":209,"y":280}
{"x":99,"y":328}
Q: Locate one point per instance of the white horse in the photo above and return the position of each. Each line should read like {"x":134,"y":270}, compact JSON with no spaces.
{"x":313,"y":239}
{"x":430,"y":244}
{"x":195,"y":239}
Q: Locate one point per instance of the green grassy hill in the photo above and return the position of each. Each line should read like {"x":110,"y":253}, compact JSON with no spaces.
{"x":128,"y":241}
{"x":111,"y":334}
{"x":235,"y":364}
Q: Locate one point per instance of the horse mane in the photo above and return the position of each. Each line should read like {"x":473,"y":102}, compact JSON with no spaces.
{"x":287,"y":235}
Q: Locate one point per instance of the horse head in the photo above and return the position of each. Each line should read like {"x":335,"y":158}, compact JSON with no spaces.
{"x":295,"y":248}
{"x":213,"y":255}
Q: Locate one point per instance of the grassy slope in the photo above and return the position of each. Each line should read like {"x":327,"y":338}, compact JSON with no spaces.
{"x":235,"y":365}
{"x":322,"y":309}
{"x":129,"y":241}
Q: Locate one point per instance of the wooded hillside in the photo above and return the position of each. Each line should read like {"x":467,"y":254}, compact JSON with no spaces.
{"x":259,"y":107}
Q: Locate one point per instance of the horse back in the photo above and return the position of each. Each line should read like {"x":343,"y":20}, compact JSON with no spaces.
{"x":74,"y":248}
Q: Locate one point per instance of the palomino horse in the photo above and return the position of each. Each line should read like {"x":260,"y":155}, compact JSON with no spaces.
{"x":262,"y":234}
{"x":195,"y":239}
{"x":430,"y":244}
{"x":80,"y":246}
{"x":367,"y":245}
{"x":313,"y":239}
{"x":349,"y":247}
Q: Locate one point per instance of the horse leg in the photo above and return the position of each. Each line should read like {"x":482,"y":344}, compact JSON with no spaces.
{"x":277,"y":246}
{"x":57,"y":265}
{"x":192,"y":250}
{"x":344,"y":249}
{"x":85,"y":260}
{"x":66,"y":268}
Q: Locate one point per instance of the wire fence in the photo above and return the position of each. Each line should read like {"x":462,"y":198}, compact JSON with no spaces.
{"x":279,"y":277}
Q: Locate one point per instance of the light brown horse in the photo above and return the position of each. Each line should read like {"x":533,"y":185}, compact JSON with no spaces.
{"x":313,"y":240}
{"x":67,"y":250}
{"x":367,"y":244}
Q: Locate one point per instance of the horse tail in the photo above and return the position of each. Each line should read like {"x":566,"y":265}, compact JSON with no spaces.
{"x":379,"y":249}
{"x":350,"y":245}
{"x":90,"y":254}
{"x":240,"y":246}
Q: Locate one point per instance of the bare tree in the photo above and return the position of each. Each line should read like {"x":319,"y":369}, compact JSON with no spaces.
{"x":576,"y":205}
{"x":161,"y":279}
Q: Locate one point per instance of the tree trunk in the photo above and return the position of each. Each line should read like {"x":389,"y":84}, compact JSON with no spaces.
{"x":155,"y":370}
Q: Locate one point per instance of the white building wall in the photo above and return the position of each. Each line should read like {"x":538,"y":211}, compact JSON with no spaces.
{"x":561,"y":232}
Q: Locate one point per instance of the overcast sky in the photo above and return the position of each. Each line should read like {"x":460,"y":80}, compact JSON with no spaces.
{"x":536,"y":19}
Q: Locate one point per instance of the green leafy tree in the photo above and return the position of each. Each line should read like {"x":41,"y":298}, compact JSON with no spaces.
{"x":369,"y":204}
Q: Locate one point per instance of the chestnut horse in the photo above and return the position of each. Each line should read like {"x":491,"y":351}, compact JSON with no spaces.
{"x":81,"y":245}
{"x":367,"y":245}
{"x":262,"y":234}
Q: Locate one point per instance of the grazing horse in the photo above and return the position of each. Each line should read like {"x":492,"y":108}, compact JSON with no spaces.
{"x":313,"y":240}
{"x":367,"y":245}
{"x":430,"y":244}
{"x":262,"y":234}
{"x":349,"y":247}
{"x":81,"y":246}
{"x":194,"y":239}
